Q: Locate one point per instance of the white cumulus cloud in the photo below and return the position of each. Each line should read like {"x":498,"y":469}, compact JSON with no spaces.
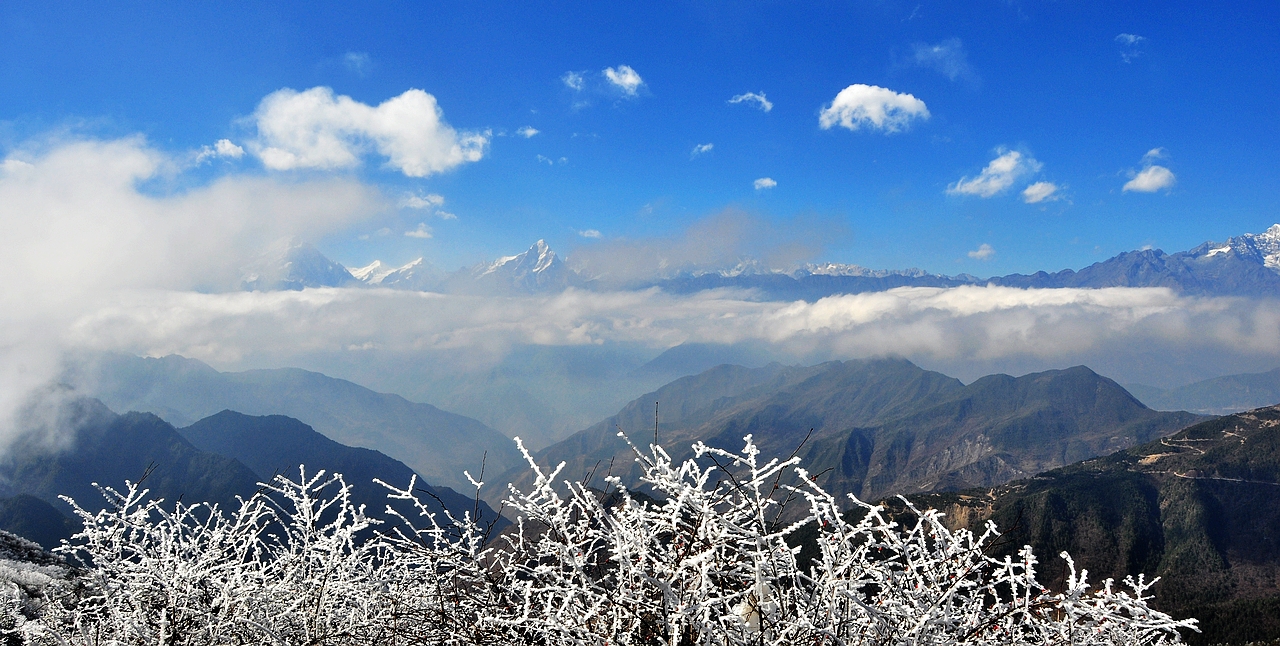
{"x":1152,"y":177}
{"x":763,"y":183}
{"x":1040,"y":192}
{"x":757,"y":98}
{"x":221,"y":148}
{"x":700,"y":149}
{"x":423,"y":231}
{"x":527,"y":132}
{"x":871,"y":106}
{"x":983,"y":252}
{"x":998,"y":175}
{"x":315,"y":129}
{"x":624,"y":78}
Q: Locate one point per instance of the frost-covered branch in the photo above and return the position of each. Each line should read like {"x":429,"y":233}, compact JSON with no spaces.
{"x":699,"y":559}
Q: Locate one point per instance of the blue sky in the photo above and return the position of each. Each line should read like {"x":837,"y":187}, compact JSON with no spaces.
{"x":1080,"y":92}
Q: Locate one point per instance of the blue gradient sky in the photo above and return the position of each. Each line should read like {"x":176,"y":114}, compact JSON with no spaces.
{"x":1053,"y":81}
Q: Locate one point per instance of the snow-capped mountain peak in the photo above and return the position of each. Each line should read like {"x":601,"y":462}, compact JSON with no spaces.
{"x":536,"y":269}
{"x":1262,"y":248}
{"x":293,"y":264}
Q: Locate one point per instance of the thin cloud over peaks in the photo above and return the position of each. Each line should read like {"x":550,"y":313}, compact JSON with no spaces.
{"x":753,"y":97}
{"x":947,"y":58}
{"x":983,"y":252}
{"x":624,"y":78}
{"x":873,"y":107}
{"x":1152,"y":177}
{"x":997,"y":176}
{"x":431,"y":202}
{"x":423,"y":231}
{"x":589,"y":233}
{"x":314,"y":129}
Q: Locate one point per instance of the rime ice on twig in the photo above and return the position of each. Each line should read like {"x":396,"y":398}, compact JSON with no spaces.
{"x":705,"y":564}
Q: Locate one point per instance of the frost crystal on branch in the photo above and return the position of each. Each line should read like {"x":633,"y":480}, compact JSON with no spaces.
{"x":700,"y":559}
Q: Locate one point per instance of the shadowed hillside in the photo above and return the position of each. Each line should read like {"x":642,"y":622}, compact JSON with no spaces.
{"x":1200,"y":509}
{"x":879,"y":427}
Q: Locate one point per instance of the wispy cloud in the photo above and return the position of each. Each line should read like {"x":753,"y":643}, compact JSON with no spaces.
{"x":357,"y":62}
{"x":1152,"y":177}
{"x":431,"y":202}
{"x":528,"y":132}
{"x":423,"y":231}
{"x":700,"y":149}
{"x":223,"y":148}
{"x":1131,"y":46}
{"x":870,"y":106}
{"x":573,"y":80}
{"x":589,"y":233}
{"x":1000,"y":174}
{"x":1040,"y":192}
{"x":947,"y":58}
{"x":315,"y":129}
{"x":624,"y":78}
{"x":764,"y":183}
{"x":756,"y":98}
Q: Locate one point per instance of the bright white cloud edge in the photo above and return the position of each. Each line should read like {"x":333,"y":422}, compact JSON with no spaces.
{"x":871,"y":106}
{"x":314,"y":129}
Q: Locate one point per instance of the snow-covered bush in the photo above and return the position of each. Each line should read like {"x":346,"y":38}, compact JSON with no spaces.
{"x":707,"y":563}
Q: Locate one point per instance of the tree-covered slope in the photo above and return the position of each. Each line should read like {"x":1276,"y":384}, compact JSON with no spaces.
{"x":878,"y":427}
{"x":1200,"y":509}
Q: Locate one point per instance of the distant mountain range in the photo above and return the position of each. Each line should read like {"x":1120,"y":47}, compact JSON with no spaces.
{"x":1200,"y":509}
{"x":1244,"y":265}
{"x":436,"y":444}
{"x":876,"y":427}
{"x":214,"y":460}
{"x":1218,"y":396}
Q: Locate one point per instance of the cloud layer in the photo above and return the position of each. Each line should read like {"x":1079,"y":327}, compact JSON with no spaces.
{"x":870,"y":106}
{"x":314,"y":129}
{"x":77,"y":230}
{"x":970,"y":323}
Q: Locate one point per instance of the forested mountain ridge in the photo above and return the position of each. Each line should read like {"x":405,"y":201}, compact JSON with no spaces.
{"x":877,"y":427}
{"x":1200,"y":509}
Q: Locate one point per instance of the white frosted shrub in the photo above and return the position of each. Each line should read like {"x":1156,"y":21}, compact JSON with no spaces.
{"x":708,"y":564}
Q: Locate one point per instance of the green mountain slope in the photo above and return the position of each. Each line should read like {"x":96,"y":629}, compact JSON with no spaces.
{"x":436,"y":444}
{"x":1200,"y":509}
